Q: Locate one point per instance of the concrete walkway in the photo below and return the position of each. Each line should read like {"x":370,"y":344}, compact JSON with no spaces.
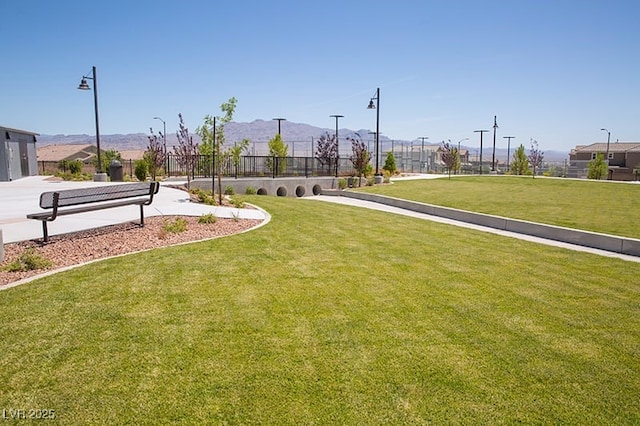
{"x":405,"y":212}
{"x":21,"y":197}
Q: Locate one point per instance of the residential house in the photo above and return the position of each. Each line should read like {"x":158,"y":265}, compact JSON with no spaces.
{"x":623,"y":160}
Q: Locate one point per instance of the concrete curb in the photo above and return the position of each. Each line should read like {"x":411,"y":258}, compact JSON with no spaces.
{"x":612,"y":243}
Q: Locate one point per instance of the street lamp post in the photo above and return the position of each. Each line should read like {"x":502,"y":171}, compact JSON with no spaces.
{"x":481,"y":132}
{"x":279,"y":120}
{"x":99,"y":176}
{"x":608,"y":140}
{"x":459,"y":155}
{"x":422,"y":150}
{"x":164,"y":133}
{"x":337,"y":116}
{"x":376,"y":106}
{"x":493,"y":159}
{"x":508,"y":148}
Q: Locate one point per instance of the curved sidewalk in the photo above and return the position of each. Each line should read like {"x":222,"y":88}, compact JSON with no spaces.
{"x":21,"y":197}
{"x":343,"y":197}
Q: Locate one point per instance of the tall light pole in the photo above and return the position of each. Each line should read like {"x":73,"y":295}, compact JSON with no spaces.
{"x":422,"y":150}
{"x":337,"y":139}
{"x":481,"y":132}
{"x":164,"y":133}
{"x":608,"y":140}
{"x":99,"y":176}
{"x":376,"y":106}
{"x":508,"y":148}
{"x":279,"y":120}
{"x":493,"y":159}
{"x":459,"y":155}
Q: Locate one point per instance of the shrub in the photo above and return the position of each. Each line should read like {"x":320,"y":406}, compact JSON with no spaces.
{"x":237,"y":203}
{"x":204,"y":197}
{"x":207,"y":218}
{"x":250,"y":190}
{"x":75,"y":167}
{"x":342,"y":183}
{"x":176,"y":226}
{"x":28,"y":260}
{"x":141,"y":169}
{"x":387,"y":177}
{"x":228,"y":190}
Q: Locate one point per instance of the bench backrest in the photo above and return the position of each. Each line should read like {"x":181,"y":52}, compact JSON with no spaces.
{"x":74,"y":197}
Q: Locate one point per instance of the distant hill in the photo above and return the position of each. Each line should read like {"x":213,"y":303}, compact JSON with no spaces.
{"x":299,"y":136}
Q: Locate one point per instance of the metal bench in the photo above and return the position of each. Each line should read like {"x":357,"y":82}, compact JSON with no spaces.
{"x":94,"y":198}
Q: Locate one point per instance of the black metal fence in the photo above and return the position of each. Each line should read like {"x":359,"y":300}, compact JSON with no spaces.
{"x":247,"y":166}
{"x":261,"y":166}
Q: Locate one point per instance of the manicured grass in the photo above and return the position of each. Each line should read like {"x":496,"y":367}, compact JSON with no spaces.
{"x":330,"y":315}
{"x":599,"y":206}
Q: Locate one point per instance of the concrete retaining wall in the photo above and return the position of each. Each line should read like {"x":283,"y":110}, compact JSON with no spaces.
{"x":282,"y":187}
{"x":612,"y":243}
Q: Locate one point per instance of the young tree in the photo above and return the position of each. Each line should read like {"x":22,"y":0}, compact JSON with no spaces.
{"x":154,"y":155}
{"x":535,"y":156}
{"x":213,"y":139}
{"x":597,"y":168}
{"x":186,"y":152}
{"x":107,"y":157}
{"x":390,"y":163}
{"x":450,"y":157}
{"x":327,"y":150}
{"x":360,"y":156}
{"x":277,"y":150}
{"x":519,"y":162}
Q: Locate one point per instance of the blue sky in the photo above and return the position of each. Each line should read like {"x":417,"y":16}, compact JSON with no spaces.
{"x":556,"y":71}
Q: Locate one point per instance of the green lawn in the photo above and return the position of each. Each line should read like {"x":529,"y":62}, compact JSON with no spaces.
{"x":330,"y":315}
{"x":599,"y":206}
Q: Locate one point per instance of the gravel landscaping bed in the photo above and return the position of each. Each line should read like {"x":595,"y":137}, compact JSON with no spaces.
{"x":79,"y":247}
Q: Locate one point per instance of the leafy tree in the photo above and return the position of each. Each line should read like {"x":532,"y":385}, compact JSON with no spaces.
{"x":390,"y":163}
{"x":213,"y":140}
{"x":107,"y":157}
{"x":360,"y":156}
{"x":141,"y":167}
{"x":277,"y":150}
{"x":186,"y":152}
{"x":535,"y":156}
{"x":597,"y":168}
{"x":450,"y":157}
{"x":327,"y":150}
{"x":155,"y":155}
{"x":519,"y":162}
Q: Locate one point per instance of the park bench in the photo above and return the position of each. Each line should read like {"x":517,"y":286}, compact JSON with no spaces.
{"x":93,"y":198}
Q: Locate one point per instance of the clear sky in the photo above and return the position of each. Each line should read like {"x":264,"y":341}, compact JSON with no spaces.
{"x":554,"y":70}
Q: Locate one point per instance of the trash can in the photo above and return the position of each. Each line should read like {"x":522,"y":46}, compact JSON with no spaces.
{"x":115,"y":171}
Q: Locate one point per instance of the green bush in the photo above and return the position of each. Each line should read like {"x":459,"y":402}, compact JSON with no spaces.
{"x":228,"y":190}
{"x":29,"y":260}
{"x":141,"y":170}
{"x":176,"y":226}
{"x":237,"y":202}
{"x":75,"y":167}
{"x":251,"y":190}
{"x":342,"y":183}
{"x":207,"y":218}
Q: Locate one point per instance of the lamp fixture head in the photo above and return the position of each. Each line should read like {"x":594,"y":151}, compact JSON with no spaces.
{"x":84,"y":85}
{"x":371,"y":105}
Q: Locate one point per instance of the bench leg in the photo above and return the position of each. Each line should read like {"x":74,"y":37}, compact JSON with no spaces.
{"x":45,"y":232}
{"x":141,"y":215}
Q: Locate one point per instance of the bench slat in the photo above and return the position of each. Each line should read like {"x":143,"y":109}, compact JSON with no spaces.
{"x":74,"y":197}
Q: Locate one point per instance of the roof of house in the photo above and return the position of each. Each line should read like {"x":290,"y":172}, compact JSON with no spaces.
{"x":66,"y":152}
{"x":613,"y":147}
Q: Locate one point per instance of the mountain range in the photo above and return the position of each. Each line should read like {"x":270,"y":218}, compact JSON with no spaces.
{"x":300,"y":137}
